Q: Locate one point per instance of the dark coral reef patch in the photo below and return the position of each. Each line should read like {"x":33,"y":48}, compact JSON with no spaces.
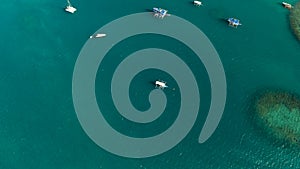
{"x":278,"y":112}
{"x":295,"y":19}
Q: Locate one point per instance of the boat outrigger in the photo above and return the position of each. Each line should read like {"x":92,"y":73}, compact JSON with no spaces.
{"x":234,"y":22}
{"x":160,"y":13}
{"x":160,"y":84}
{"x":287,"y":5}
{"x":69,"y":8}
{"x":197,"y":3}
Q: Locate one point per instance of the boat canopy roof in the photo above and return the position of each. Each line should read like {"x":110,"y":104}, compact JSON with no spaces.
{"x":234,"y":21}
{"x":160,"y":10}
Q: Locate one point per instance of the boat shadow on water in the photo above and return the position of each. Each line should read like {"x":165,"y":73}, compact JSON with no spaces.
{"x":224,"y":20}
{"x":148,"y":10}
{"x":192,"y":2}
{"x":280,"y":3}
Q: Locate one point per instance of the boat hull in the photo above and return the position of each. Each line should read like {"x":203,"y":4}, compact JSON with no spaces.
{"x":70,"y":9}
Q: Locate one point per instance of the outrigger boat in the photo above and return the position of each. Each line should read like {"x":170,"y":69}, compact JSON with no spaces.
{"x":99,"y":35}
{"x":160,"y":84}
{"x":70,"y":8}
{"x":160,"y":13}
{"x":287,"y":5}
{"x":197,"y":3}
{"x":234,"y":22}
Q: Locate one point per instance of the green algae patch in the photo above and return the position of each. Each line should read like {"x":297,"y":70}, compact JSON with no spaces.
{"x":279,"y":114}
{"x":295,"y":19}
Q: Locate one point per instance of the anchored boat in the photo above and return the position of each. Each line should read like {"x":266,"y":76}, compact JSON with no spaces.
{"x":197,"y":3}
{"x":160,"y":84}
{"x":98,"y":35}
{"x":69,"y":8}
{"x":160,"y":13}
{"x":287,"y":5}
{"x":234,"y":22}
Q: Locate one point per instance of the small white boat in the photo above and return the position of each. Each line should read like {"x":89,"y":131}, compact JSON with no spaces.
{"x":287,"y":5}
{"x":70,"y":8}
{"x":160,"y":84}
{"x":99,"y":35}
{"x":197,"y":3}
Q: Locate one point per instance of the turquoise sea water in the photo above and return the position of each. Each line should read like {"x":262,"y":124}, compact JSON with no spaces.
{"x":40,"y":44}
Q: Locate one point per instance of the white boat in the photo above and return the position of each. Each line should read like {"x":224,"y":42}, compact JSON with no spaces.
{"x":287,"y":5}
{"x":197,"y":3}
{"x":160,"y":84}
{"x":98,"y":35}
{"x":70,"y":8}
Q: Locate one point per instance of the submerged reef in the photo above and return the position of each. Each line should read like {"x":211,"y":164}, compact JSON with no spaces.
{"x":278,"y":112}
{"x":295,"y":19}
